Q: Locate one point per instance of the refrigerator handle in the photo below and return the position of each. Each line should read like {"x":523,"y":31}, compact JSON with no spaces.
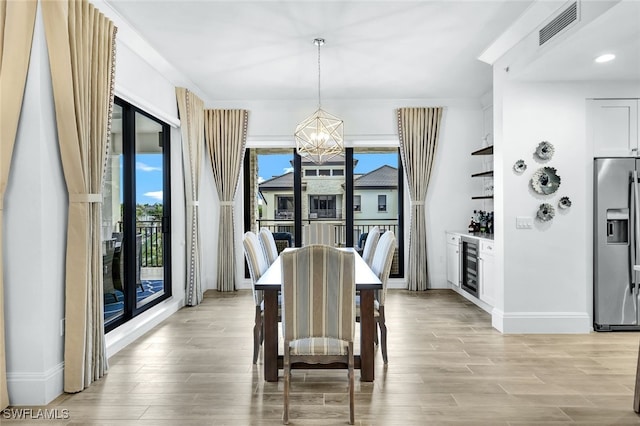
{"x":632,"y":229}
{"x":636,"y":240}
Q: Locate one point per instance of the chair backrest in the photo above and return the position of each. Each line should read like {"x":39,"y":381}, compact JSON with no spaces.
{"x":268,"y":244}
{"x":256,"y":260}
{"x":318,"y":293}
{"x":319,"y":233}
{"x":370,"y":244}
{"x":382,"y":260}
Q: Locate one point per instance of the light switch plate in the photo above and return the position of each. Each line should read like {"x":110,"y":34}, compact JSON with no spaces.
{"x":524,"y":222}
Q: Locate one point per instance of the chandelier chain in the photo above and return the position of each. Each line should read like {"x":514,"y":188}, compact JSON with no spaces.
{"x":319,"y":99}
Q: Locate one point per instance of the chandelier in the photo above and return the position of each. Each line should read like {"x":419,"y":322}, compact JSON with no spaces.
{"x":319,"y":136}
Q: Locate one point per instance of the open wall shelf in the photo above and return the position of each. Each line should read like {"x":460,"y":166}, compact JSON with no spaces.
{"x":484,"y":151}
{"x":483,"y":174}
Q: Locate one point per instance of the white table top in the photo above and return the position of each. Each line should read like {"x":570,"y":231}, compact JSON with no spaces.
{"x":365,"y":278}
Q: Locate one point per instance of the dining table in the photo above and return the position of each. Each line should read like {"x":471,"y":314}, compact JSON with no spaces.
{"x":367,"y":282}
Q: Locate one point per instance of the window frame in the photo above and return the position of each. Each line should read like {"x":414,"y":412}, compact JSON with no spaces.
{"x":131,"y":310}
{"x":382,"y":207}
{"x":357,"y":207}
{"x":347,"y":200}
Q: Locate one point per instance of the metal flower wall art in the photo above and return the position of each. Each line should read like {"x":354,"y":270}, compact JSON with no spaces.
{"x":545,"y":180}
{"x":564,"y":203}
{"x":544,"y":151}
{"x":546,"y":212}
{"x":519,"y":167}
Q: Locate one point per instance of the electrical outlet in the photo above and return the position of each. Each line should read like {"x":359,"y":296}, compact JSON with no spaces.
{"x":62,"y":327}
{"x":524,"y":222}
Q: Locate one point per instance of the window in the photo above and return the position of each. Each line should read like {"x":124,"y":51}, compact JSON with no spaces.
{"x":311,"y":172}
{"x":135,"y":208}
{"x":284,"y":209}
{"x":378,"y":171}
{"x":275,"y":179}
{"x":322,"y":206}
{"x":382,"y":203}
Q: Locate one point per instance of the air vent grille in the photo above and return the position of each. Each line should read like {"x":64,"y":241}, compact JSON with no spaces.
{"x":558,"y":24}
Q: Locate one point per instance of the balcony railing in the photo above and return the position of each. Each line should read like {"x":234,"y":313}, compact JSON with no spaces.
{"x":151,"y":231}
{"x":151,"y":236}
{"x":362,"y":226}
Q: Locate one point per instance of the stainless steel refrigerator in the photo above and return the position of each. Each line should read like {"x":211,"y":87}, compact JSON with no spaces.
{"x":616,"y":239}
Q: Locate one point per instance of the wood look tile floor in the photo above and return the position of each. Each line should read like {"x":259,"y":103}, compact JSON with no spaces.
{"x":447,"y":366}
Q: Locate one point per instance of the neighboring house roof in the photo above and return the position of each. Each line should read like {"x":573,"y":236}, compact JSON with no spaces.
{"x":284,"y":181}
{"x":278,"y":182}
{"x":382,"y":177}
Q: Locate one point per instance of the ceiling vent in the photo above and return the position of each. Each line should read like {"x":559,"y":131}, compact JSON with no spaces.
{"x":559,"y":23}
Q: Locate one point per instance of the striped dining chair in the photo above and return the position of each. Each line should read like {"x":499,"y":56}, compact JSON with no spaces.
{"x":258,"y":265}
{"x":318,"y":312}
{"x":370,"y":244}
{"x":319,"y":233}
{"x":381,"y":266}
{"x":268,"y":244}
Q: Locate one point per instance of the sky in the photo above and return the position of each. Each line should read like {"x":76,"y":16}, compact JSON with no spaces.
{"x":148,"y":178}
{"x":149,"y":171}
{"x":278,"y":164}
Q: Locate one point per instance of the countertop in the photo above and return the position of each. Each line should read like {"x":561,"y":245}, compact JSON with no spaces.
{"x":479,"y":235}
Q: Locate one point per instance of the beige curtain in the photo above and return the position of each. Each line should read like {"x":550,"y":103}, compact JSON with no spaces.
{"x":17,"y":20}
{"x":418,"y":130}
{"x":81,"y":43}
{"x":253,"y":184}
{"x":191,"y":109}
{"x":226,"y":134}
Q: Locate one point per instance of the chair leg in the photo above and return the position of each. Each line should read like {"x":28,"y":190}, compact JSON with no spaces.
{"x":383,"y":334}
{"x":287,"y":380}
{"x":257,"y":331}
{"x":351,"y":386}
{"x":375,"y":335}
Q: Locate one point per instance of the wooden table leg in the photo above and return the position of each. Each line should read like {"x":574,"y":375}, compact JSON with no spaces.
{"x":367,"y":330}
{"x":270,"y":345}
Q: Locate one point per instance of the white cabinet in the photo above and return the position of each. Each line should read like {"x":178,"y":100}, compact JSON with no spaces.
{"x":453,"y":259}
{"x":486,"y":273}
{"x":613,"y":127}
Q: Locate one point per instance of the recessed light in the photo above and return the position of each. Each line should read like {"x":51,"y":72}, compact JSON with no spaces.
{"x":605,"y":58}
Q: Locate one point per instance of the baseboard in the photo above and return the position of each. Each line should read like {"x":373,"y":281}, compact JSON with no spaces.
{"x":128,"y":332}
{"x":471,"y":298}
{"x":36,"y":388}
{"x":397,"y":284}
{"x":244,"y":284}
{"x":541,"y":322}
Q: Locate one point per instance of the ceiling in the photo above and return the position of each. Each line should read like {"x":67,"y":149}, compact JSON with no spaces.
{"x":263,"y":50}
{"x":616,"y":30}
{"x":241,"y":50}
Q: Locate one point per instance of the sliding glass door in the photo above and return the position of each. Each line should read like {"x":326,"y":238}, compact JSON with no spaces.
{"x":136,"y":215}
{"x":354,"y":192}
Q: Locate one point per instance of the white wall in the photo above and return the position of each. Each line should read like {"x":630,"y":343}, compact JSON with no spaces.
{"x":373,"y":123}
{"x":144,"y":79}
{"x":545,"y":273}
{"x":35,"y":211}
{"x":35,"y":220}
